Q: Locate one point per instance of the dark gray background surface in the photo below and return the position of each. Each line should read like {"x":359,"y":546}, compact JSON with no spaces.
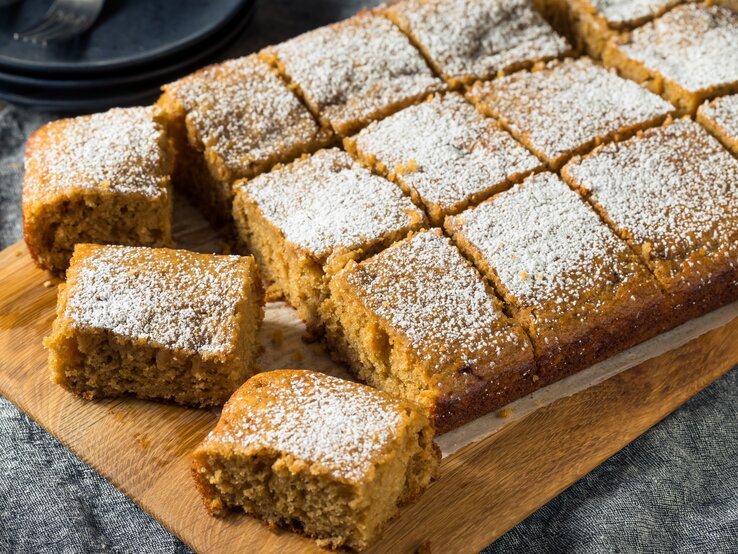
{"x":672,"y":490}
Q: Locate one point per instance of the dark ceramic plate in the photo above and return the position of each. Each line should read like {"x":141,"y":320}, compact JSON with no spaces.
{"x":129,"y":34}
{"x":101,"y":92}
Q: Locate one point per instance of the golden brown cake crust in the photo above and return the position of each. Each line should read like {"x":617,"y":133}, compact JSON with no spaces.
{"x":234,"y":120}
{"x":294,"y":427}
{"x":443,"y":153}
{"x":568,"y":107}
{"x":687,"y":55}
{"x":671,"y":193}
{"x":128,"y":316}
{"x":577,"y":289}
{"x":466,"y":40}
{"x":99,"y":178}
{"x":720,"y":117}
{"x":355,"y":71}
{"x":432,"y":317}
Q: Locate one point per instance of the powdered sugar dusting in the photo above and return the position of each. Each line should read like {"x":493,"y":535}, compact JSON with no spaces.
{"x":694,"y":45}
{"x":568,"y":105}
{"x":724,"y":114}
{"x":245,"y":115}
{"x":356,"y":69}
{"x":675,"y":189}
{"x":119,"y":150}
{"x":341,"y":426}
{"x":169,"y":298}
{"x":328,"y":203}
{"x":623,"y":12}
{"x":427,"y":291}
{"x":548,"y":248}
{"x":448,"y":150}
{"x":477,"y":38}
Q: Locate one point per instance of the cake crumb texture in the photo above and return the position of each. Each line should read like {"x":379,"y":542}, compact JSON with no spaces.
{"x":331,"y":458}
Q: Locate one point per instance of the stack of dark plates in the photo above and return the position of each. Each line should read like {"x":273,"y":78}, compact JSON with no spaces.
{"x":135,"y":47}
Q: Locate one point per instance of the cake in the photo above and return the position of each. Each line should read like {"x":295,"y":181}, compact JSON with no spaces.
{"x":671,"y":192}
{"x":687,"y":55}
{"x":568,"y":107}
{"x":443,"y":153}
{"x":230,"y":121}
{"x":590,"y":24}
{"x":303,"y":221}
{"x":320,"y":455}
{"x":156,"y":323}
{"x":466,"y":40}
{"x":418,"y":321}
{"x":720,"y":117}
{"x":578,"y":290}
{"x":354,"y":71}
{"x":101,"y":178}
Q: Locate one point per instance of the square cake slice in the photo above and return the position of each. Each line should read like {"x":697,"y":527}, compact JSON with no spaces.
{"x":720,"y":117}
{"x":687,"y":55}
{"x":156,"y":323}
{"x":418,"y":321}
{"x":444,"y":154}
{"x":579,"y":291}
{"x":323,"y":456}
{"x":672,"y":193}
{"x":466,"y":40}
{"x":101,"y":178}
{"x":355,"y":71}
{"x":568,"y":107}
{"x":303,"y":221}
{"x":590,"y":24}
{"x":230,"y":121}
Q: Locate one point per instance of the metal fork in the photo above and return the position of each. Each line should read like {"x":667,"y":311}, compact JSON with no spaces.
{"x":64,"y":19}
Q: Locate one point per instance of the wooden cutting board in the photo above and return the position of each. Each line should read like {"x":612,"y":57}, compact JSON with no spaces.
{"x":485,"y":489}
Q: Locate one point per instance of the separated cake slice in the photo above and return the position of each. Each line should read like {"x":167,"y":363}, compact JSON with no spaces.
{"x":672,"y":193}
{"x":355,"y":71}
{"x":231,"y":121}
{"x":720,"y":117}
{"x":156,"y":323}
{"x":418,"y":321}
{"x":444,"y":154}
{"x":303,"y":221}
{"x":590,"y":24}
{"x":578,"y":290}
{"x":466,"y":40}
{"x":323,"y":456}
{"x":568,"y":107}
{"x":101,"y":178}
{"x":687,"y":55}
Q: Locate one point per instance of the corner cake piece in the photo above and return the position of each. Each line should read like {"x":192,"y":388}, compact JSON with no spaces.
{"x":418,"y":321}
{"x":466,"y":40}
{"x":568,"y":107}
{"x":303,"y":221}
{"x":687,"y":55}
{"x":578,"y":290}
{"x":355,"y":71}
{"x":323,"y":456}
{"x":672,"y":194}
{"x":101,"y":178}
{"x":443,"y":153}
{"x":590,"y":24}
{"x":157,"y":323}
{"x":720,"y":117}
{"x":231,"y":121}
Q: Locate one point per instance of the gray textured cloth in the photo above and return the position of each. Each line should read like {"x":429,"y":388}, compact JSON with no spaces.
{"x":674,"y":489}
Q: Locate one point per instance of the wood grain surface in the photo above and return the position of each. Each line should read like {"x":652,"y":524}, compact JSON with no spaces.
{"x":485,"y":489}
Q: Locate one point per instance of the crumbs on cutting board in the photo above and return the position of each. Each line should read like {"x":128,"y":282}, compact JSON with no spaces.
{"x":505,"y":413}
